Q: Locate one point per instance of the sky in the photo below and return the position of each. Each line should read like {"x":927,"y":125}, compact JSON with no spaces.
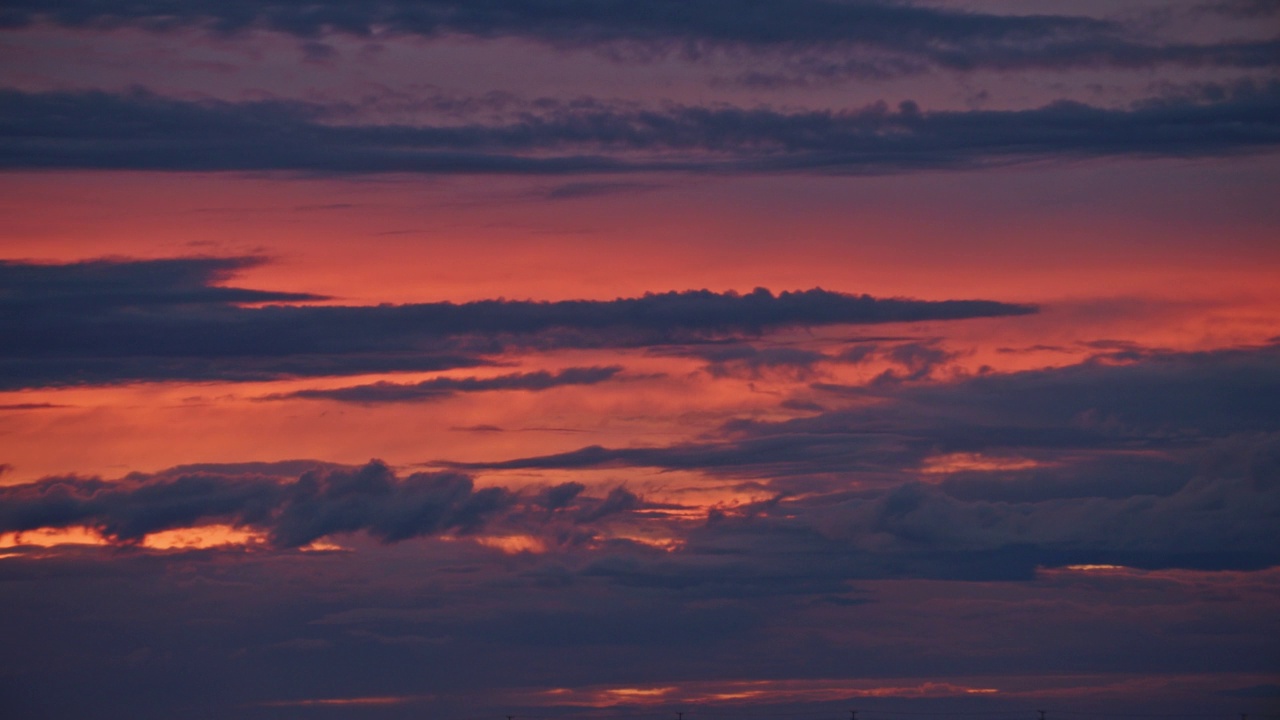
{"x":596,"y":359}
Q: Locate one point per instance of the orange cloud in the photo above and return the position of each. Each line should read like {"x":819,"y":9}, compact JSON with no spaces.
{"x":772,"y":691}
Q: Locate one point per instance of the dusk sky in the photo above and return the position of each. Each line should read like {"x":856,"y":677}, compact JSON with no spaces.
{"x":594,"y":359}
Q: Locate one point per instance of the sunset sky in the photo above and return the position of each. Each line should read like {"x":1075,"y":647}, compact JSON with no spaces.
{"x":586,"y":359}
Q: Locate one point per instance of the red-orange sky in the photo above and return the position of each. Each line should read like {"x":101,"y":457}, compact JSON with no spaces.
{"x":596,"y":359}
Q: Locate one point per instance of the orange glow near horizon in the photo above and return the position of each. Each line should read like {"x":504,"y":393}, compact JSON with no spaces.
{"x":777,"y":691}
{"x":763,"y":691}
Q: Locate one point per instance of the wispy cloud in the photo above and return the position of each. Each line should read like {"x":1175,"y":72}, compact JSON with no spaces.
{"x":440,"y":388}
{"x":885,"y":37}
{"x":143,"y":131}
{"x":118,"y":320}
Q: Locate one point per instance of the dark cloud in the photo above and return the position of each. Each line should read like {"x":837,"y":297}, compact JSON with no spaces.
{"x":559,"y":496}
{"x":1107,"y":52}
{"x":745,"y":360}
{"x":52,"y":368}
{"x":1150,"y":402}
{"x":786,"y":590}
{"x":295,"y":503}
{"x":763,"y":457}
{"x":1211,"y":524}
{"x":113,"y":321}
{"x":918,"y":360}
{"x":1152,"y":396}
{"x":1219,"y":521}
{"x":318,"y":503}
{"x":816,"y":541}
{"x":1169,"y":461}
{"x":895,"y":36}
{"x":1114,"y":475}
{"x":1166,"y":402}
{"x":617,"y":501}
{"x":816,"y":67}
{"x":909,"y":360}
{"x":373,"y":500}
{"x":147,"y":132}
{"x":440,"y":388}
{"x":113,"y":283}
{"x":582,"y":20}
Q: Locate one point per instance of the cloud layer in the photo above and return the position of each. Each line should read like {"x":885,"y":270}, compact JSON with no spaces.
{"x":1171,"y":461}
{"x":114,"y":321}
{"x":317,"y":504}
{"x":439,"y":388}
{"x":142,"y":131}
{"x":1165,"y":402}
{"x":898,"y":37}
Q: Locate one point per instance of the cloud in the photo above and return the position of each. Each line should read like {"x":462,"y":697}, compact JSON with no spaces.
{"x":618,"y":500}
{"x":62,"y":369}
{"x":131,"y":320}
{"x":887,"y":37}
{"x":114,"y":283}
{"x":749,"y":361}
{"x":573,"y":21}
{"x":295,"y":503}
{"x":1220,"y":519}
{"x":907,"y":359}
{"x":1171,"y":460}
{"x":1220,"y":523}
{"x":440,"y":388}
{"x":1161,"y":398}
{"x":559,"y":496}
{"x":318,"y":503}
{"x":142,"y":131}
{"x":1163,"y":403}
